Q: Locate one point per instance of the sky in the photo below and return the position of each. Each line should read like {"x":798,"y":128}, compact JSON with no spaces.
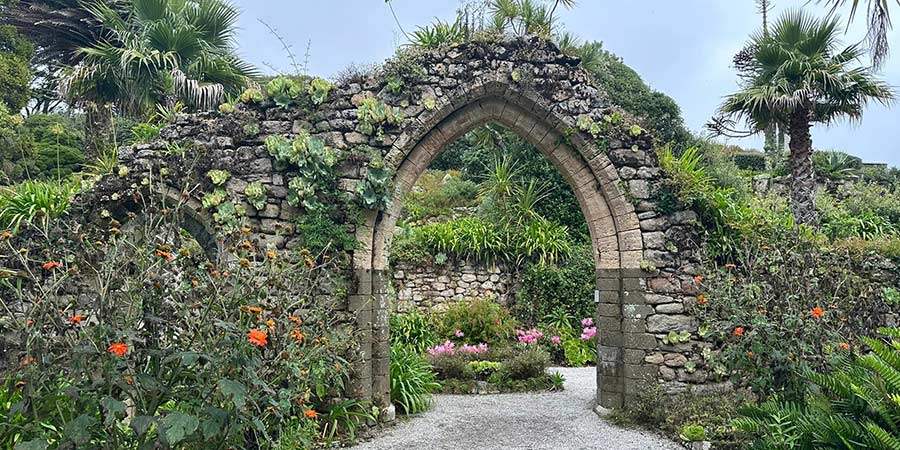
{"x":682,"y":48}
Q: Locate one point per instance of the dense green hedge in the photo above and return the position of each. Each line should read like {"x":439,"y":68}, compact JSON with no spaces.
{"x":549,"y":288}
{"x":748,"y":160}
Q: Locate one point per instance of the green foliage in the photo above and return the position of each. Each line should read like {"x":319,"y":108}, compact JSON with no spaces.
{"x":250,"y":95}
{"x":404,"y":71}
{"x":412,"y":330}
{"x":475,"y":239}
{"x":853,"y":406}
{"x":439,"y":34}
{"x":315,"y":163}
{"x":375,"y":191}
{"x":835,"y":165}
{"x":146,"y":52}
{"x":318,"y":90}
{"x":218,"y":177}
{"x":654,"y":409}
{"x":480,"y":321}
{"x":284,"y":91}
{"x":33,"y":202}
{"x":191,"y":378}
{"x":322,"y":233}
{"x":693,"y":433}
{"x":747,"y":160}
{"x":453,"y":367}
{"x":437,"y":193}
{"x":484,"y":369}
{"x":256,"y":195}
{"x":530,"y":362}
{"x":860,"y":209}
{"x":412,"y":380}
{"x":144,"y":133}
{"x":549,"y":288}
{"x":15,"y":73}
{"x":373,"y":115}
{"x":578,"y":352}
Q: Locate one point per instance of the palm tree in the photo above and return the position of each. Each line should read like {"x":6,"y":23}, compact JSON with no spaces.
{"x":133,"y":55}
{"x":798,"y":75}
{"x":879,"y":22}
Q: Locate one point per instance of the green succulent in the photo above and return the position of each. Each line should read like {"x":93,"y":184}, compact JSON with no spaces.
{"x":256,"y":195}
{"x":252,"y":95}
{"x":219,"y":177}
{"x":318,"y":90}
{"x":283,"y":91}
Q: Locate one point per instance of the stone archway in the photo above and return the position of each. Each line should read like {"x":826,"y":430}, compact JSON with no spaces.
{"x":612,"y":221}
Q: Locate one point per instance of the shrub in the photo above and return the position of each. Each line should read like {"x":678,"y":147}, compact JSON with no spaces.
{"x":412,"y":330}
{"x":747,"y":160}
{"x":478,"y":321}
{"x":33,"y":202}
{"x":853,"y":406}
{"x":835,"y":165}
{"x":530,"y":362}
{"x":144,"y":345}
{"x":713,"y":412}
{"x":549,"y":288}
{"x":453,"y":366}
{"x":412,"y":380}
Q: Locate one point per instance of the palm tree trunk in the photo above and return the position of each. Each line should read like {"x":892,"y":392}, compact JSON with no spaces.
{"x":99,"y":130}
{"x":770,"y":147}
{"x":803,"y":183}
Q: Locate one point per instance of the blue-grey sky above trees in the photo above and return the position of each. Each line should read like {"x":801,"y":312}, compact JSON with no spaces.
{"x":683,"y":49}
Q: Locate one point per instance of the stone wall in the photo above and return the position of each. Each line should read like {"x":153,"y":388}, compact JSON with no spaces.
{"x":431,"y":287}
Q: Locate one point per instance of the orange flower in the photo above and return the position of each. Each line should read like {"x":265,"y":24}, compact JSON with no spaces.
{"x":27,"y":361}
{"x":698,"y":279}
{"x":296,"y":334}
{"x":766,"y":247}
{"x":118,"y":349}
{"x":739,"y":331}
{"x":817,"y":312}
{"x":51,"y":265}
{"x":270,"y":323}
{"x":247,"y":245}
{"x":164,"y":254}
{"x":701,"y":299}
{"x":245,"y":230}
{"x":296,"y":320}
{"x":271,"y":255}
{"x":5,"y":235}
{"x":76,"y":319}
{"x":750,"y":355}
{"x":844,"y":346}
{"x":195,"y":283}
{"x":258,"y":337}
{"x":730,"y":266}
{"x":311,"y":414}
{"x":304,"y":373}
{"x":252,"y":309}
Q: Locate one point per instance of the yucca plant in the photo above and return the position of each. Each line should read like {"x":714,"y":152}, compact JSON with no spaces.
{"x":439,"y":34}
{"x":412,"y":380}
{"x":855,"y":406}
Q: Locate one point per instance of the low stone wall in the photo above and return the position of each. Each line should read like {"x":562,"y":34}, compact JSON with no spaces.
{"x":432,"y":287}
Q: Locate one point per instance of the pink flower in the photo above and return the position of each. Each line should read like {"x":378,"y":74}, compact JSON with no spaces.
{"x":529,"y":337}
{"x":587,"y":322}
{"x":588,"y":333}
{"x":556,"y":340}
{"x":459,"y":333}
{"x":450,"y":349}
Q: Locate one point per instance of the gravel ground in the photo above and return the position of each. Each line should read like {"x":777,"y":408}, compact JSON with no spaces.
{"x":534,"y":421}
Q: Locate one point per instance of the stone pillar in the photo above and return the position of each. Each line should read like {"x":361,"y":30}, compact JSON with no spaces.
{"x":381,"y":346}
{"x":610,"y":372}
{"x":360,"y":306}
{"x":636,"y":339}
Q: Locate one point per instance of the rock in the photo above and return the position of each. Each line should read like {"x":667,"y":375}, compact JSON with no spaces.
{"x":664,"y":323}
{"x":675,"y":360}
{"x":670,"y":308}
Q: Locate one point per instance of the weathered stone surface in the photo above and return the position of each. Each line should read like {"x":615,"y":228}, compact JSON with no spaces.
{"x":664,"y":323}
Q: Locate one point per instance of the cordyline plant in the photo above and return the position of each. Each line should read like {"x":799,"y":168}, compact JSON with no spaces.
{"x":129,"y":338}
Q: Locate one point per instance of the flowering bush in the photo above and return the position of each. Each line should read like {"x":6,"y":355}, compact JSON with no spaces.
{"x":476,"y":321}
{"x":530,"y":337}
{"x":449,"y":348}
{"x":130,"y":338}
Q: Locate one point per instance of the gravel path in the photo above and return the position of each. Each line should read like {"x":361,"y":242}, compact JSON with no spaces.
{"x":533,"y":421}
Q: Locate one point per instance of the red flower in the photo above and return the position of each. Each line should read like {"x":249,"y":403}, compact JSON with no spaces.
{"x":52,"y":265}
{"x":739,"y":331}
{"x":701,"y":299}
{"x":258,"y":337}
{"x":817,"y":312}
{"x":118,"y":349}
{"x":76,"y":319}
{"x":309,"y":413}
{"x":698,"y":279}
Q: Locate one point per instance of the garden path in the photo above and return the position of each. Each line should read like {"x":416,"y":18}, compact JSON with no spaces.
{"x":533,"y":421}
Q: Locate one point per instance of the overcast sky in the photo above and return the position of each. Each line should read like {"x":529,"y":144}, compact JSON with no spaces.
{"x":683,"y":48}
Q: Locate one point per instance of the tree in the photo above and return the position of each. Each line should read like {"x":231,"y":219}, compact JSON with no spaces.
{"x":798,"y":75}
{"x":133,"y":55}
{"x":15,"y":74}
{"x":879,"y":22}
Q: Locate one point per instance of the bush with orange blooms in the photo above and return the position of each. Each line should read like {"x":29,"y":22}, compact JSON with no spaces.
{"x":135,"y":340}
